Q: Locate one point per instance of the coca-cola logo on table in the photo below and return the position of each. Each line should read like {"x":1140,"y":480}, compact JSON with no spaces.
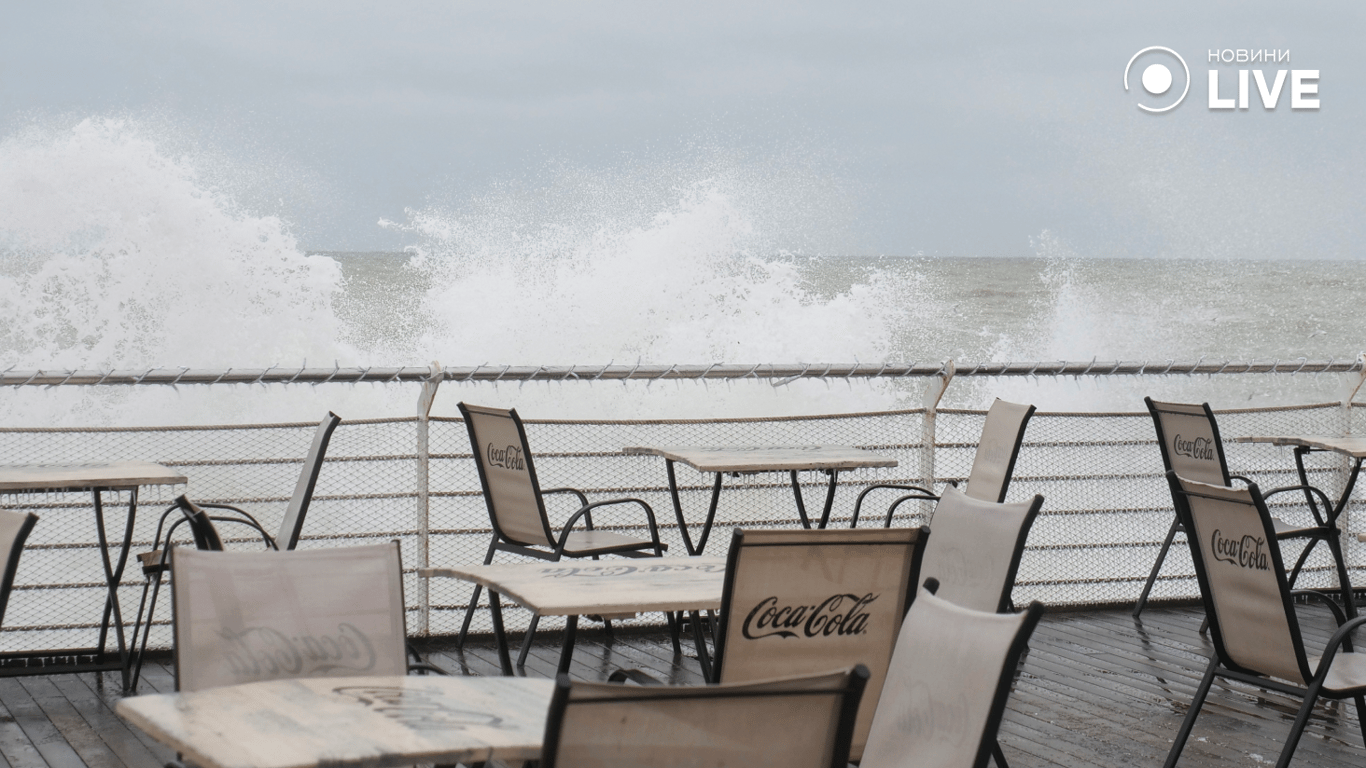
{"x":507,"y":458}
{"x":268,"y":652}
{"x":1246,"y":552}
{"x":841,"y":614}
{"x":417,"y":709}
{"x":1200,"y":448}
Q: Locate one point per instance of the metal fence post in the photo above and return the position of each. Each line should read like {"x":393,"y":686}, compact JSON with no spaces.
{"x":934,"y":391}
{"x":424,"y":409}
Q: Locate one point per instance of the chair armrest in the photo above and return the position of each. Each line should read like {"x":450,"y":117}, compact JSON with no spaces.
{"x":588,"y":509}
{"x":928,"y":495}
{"x":1308,"y":490}
{"x":246,"y":519}
{"x":634,"y":676}
{"x":1340,"y":638}
{"x":583,"y":499}
{"x":1338,"y":614}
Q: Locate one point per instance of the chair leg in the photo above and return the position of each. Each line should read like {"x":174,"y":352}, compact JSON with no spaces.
{"x":1299,"y":563}
{"x":674,"y":622}
{"x":1361,"y":715}
{"x":140,"y":650}
{"x":1157,"y":566}
{"x":469,"y":614}
{"x":1292,"y":740}
{"x":997,"y":754}
{"x":1189,"y":723}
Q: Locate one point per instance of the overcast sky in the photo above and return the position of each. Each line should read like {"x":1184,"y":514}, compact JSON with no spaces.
{"x":949,"y":128}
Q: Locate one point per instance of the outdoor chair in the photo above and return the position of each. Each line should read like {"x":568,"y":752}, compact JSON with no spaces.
{"x":790,"y":722}
{"x":992,"y":466}
{"x":1252,"y":620}
{"x":947,"y":685}
{"x":517,"y":510}
{"x":242,"y":617}
{"x":155,"y":562}
{"x":14,"y":530}
{"x":976,"y":549}
{"x":802,"y":601}
{"x":1188,"y":437}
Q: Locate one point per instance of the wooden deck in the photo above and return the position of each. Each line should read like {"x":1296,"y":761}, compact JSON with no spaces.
{"x":1097,"y":689}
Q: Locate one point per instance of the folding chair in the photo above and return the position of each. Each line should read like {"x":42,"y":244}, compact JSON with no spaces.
{"x":800,"y":601}
{"x":792,"y":722}
{"x":976,"y":549}
{"x":14,"y":530}
{"x":242,"y":617}
{"x":992,"y":466}
{"x":947,"y":686}
{"x":1188,"y":436}
{"x":1252,"y":621}
{"x":516,"y":506}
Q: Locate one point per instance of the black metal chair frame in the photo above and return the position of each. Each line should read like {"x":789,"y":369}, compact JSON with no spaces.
{"x":850,"y":696}
{"x":1325,"y":529}
{"x":1221,"y":666}
{"x":919,"y":493}
{"x":502,"y":542}
{"x":16,"y":548}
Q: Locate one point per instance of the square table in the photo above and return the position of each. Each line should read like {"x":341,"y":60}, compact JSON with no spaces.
{"x":96,"y":477}
{"x":366,"y":722}
{"x":604,"y":588}
{"x":742,"y":461}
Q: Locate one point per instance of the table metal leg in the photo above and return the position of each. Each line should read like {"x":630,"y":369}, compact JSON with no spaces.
{"x":829,"y":499}
{"x":571,"y":628}
{"x":504,"y":657}
{"x":678,"y":510}
{"x":113,"y":575}
{"x":700,"y":639}
{"x":1334,"y":545}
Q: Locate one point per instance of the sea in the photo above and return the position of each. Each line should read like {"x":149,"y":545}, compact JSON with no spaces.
{"x":119,"y":253}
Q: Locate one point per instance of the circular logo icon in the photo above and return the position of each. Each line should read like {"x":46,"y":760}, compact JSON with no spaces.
{"x":1157,"y":77}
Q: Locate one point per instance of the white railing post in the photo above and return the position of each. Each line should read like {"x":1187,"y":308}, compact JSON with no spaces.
{"x":934,"y":391}
{"x":424,"y":409}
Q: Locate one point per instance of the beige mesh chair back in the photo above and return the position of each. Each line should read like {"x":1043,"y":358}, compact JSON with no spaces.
{"x":999,"y":447}
{"x":14,"y":530}
{"x":992,"y":466}
{"x":803,"y":601}
{"x":1253,"y":624}
{"x":794,"y":722}
{"x":292,"y":524}
{"x":947,"y":688}
{"x":976,"y":549}
{"x":241,"y":617}
{"x":1188,"y":437}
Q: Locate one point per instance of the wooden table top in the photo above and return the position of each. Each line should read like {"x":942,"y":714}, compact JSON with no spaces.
{"x":349,"y":721}
{"x":616,"y":587}
{"x":85,"y":476}
{"x":1348,"y":445}
{"x":767,"y":459}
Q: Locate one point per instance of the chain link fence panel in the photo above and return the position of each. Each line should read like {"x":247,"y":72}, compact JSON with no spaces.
{"x":1106,"y":509}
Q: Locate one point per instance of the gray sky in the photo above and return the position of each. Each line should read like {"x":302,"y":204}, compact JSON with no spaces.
{"x":947,"y":128}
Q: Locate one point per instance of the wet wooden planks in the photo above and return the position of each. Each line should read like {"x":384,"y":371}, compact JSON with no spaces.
{"x":1097,"y":688}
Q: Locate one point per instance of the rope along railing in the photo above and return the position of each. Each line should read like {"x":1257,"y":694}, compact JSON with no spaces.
{"x":1106,"y":505}
{"x":779,"y":374}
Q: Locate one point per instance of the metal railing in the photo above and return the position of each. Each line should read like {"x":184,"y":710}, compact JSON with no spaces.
{"x":1106,"y":506}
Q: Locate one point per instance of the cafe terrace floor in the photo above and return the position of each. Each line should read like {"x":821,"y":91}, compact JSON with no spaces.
{"x":1096,"y":689}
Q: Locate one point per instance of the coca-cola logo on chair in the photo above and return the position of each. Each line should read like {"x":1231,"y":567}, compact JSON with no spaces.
{"x":1201,"y":448}
{"x":507,"y":458}
{"x":842,"y":614}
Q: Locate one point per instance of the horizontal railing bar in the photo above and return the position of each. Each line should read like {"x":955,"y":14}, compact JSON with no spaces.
{"x":779,"y":374}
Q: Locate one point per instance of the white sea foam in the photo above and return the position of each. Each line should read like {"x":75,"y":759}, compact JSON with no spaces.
{"x":122,"y":247}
